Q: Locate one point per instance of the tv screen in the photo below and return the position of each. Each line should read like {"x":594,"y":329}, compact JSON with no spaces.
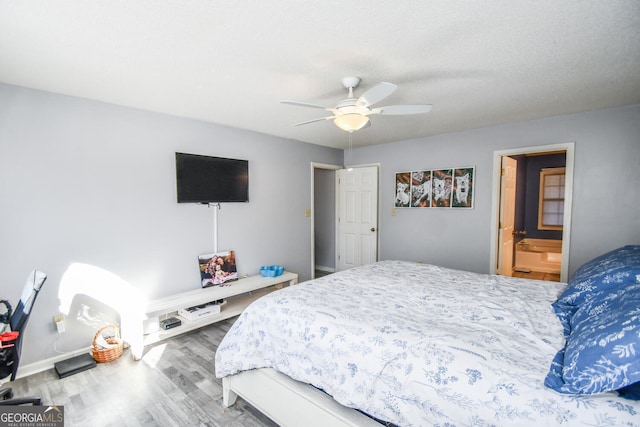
{"x":205,"y":179}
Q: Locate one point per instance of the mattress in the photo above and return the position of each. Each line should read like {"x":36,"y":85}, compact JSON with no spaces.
{"x":417,"y":344}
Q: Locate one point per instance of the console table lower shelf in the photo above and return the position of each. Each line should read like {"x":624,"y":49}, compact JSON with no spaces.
{"x":238,"y":295}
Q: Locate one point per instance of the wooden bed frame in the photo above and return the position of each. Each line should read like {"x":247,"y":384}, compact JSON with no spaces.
{"x":289,"y":402}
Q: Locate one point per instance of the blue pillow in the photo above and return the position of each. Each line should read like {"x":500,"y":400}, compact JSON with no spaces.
{"x":602,"y":351}
{"x":631,"y":392}
{"x":609,"y":271}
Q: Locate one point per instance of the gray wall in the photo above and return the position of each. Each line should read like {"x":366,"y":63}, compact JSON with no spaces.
{"x":92,"y":183}
{"x":606,"y":193}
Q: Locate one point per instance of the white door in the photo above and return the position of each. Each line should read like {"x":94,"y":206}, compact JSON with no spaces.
{"x":357,"y":217}
{"x":507,"y":215}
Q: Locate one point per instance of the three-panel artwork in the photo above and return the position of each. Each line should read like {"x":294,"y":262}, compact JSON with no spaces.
{"x":437,"y":188}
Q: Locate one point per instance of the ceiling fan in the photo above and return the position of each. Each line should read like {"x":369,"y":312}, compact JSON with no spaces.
{"x":352,"y":114}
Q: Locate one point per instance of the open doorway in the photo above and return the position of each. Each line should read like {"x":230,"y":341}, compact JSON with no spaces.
{"x":531,"y":229}
{"x":323,"y":219}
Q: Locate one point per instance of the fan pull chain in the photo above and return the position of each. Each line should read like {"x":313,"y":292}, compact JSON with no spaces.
{"x":350,"y":147}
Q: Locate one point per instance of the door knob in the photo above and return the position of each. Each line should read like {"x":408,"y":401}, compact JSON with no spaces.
{"x":373,"y":229}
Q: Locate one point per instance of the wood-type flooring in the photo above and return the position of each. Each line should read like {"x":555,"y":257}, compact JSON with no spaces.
{"x":173,"y":385}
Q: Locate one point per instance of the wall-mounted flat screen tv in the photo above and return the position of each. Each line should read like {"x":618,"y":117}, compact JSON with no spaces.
{"x":206,"y":179}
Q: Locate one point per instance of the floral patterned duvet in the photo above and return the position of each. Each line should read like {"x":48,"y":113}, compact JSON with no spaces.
{"x":420,"y":345}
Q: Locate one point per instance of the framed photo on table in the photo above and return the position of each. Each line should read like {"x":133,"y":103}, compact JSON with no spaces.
{"x":217,"y":268}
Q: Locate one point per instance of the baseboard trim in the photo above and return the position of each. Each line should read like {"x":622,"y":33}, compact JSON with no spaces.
{"x":44,"y":365}
{"x":326,"y":269}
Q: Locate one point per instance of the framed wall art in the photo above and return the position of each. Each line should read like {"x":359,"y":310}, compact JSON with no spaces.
{"x":420,"y":189}
{"x":441,"y":193}
{"x":437,"y":188}
{"x":403,"y":190}
{"x":463,"y":187}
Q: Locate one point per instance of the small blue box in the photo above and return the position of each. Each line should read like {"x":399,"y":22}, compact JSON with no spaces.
{"x":271,"y":270}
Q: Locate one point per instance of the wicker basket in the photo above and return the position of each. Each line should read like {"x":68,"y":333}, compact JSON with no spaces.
{"x":111,"y":353}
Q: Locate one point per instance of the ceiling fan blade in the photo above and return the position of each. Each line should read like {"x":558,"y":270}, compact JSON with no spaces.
{"x":398,"y":110}
{"x":376,"y":94}
{"x":305,"y":104}
{"x":314,"y":120}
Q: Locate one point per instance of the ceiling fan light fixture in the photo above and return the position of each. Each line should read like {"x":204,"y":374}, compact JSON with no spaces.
{"x":352,"y":114}
{"x":351,"y":122}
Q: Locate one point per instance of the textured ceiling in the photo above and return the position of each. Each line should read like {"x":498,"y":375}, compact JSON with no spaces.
{"x":479,"y":63}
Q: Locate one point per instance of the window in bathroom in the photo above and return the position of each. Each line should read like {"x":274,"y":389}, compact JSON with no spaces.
{"x":551,"y":205}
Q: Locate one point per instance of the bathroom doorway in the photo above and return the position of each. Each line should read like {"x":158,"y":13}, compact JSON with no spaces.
{"x":531,"y":229}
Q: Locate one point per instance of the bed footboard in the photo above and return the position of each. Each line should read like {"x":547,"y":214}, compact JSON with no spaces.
{"x":289,"y":402}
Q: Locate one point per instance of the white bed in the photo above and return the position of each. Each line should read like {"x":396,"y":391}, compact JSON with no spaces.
{"x":408,"y":344}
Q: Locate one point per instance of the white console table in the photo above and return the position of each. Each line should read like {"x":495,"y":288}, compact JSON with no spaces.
{"x":244,"y":291}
